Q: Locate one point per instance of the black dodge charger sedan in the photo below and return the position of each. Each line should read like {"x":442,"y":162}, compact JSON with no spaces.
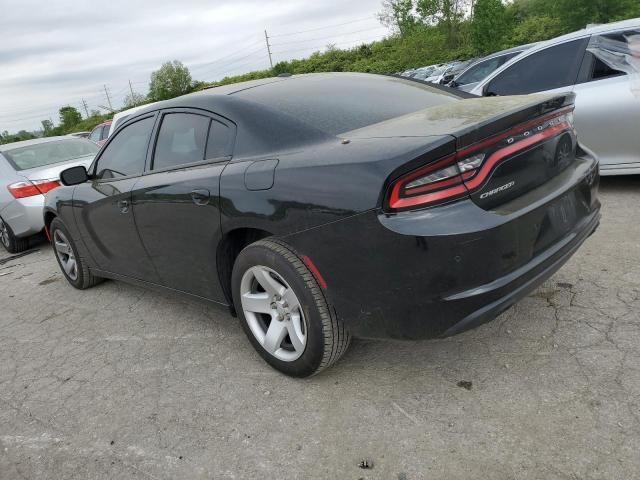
{"x":321,"y":207}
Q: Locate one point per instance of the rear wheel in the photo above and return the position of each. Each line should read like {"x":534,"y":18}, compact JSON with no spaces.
{"x":9,"y":241}
{"x":284,"y":312}
{"x":72,"y":265}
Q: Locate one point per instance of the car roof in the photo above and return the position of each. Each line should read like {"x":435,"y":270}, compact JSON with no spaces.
{"x":284,"y":112}
{"x":585,"y":32}
{"x":35,"y":141}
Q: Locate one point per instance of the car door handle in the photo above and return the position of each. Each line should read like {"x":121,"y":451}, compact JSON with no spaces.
{"x":201,"y":196}
{"x":123,"y":205}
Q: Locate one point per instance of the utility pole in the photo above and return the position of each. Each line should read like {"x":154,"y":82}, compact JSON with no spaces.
{"x":133,"y":97}
{"x":106,"y":91}
{"x":266,"y":38}
{"x":86,"y":110}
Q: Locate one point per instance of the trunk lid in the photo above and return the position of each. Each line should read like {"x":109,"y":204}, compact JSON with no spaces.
{"x":52,"y":172}
{"x":505,"y":147}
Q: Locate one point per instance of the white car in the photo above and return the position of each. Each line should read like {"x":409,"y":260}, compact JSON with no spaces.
{"x":120,"y":117}
{"x":28,"y":170}
{"x":601,"y":65}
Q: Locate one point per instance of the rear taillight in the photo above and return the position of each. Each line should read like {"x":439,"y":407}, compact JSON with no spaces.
{"x":457,"y":175}
{"x":32,"y":188}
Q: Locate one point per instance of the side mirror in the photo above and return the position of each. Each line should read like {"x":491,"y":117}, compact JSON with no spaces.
{"x":74,"y":176}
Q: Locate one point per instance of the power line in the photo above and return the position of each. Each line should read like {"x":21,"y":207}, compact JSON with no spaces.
{"x":322,"y":28}
{"x":305,"y":49}
{"x":231,"y":54}
{"x":329,"y":36}
{"x":260,"y":50}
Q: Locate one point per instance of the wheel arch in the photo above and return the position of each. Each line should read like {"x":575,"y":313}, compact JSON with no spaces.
{"x":229,"y":248}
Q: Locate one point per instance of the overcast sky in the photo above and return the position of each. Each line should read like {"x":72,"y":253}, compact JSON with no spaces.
{"x":58,"y":52}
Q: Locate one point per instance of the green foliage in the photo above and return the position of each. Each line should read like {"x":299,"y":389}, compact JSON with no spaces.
{"x":489,"y":26}
{"x":134,"y":99}
{"x":424,"y":32}
{"x":171,"y":80}
{"x":47,"y":126}
{"x":6,"y":137}
{"x":535,"y":29}
{"x":69,"y":117}
{"x":398,"y":15}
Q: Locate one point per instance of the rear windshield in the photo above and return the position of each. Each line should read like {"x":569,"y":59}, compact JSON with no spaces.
{"x":48,"y":153}
{"x":339,"y":103}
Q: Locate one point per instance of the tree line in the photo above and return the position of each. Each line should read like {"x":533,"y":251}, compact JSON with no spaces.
{"x":423,"y":32}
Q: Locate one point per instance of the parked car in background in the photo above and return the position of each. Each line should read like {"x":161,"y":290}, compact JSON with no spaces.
{"x":80,"y":134}
{"x":601,"y":65}
{"x":28,"y":170}
{"x":454,"y":70}
{"x":120,"y":117}
{"x":315,"y":217}
{"x":424,"y":72}
{"x":437,"y":73}
{"x":480,"y":69}
{"x":100,"y":133}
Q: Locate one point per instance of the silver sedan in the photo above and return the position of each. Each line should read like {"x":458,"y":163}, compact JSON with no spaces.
{"x":602,"y":66}
{"x":28,"y":170}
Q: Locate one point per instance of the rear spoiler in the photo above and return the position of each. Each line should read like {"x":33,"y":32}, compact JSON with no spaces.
{"x":503,"y":121}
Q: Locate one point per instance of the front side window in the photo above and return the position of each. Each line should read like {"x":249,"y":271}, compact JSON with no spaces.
{"x":553,"y":67}
{"x":479,"y":71}
{"x":125,"y":155}
{"x":182,"y":140}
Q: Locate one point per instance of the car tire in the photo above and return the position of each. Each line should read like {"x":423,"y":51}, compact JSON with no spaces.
{"x":314,"y":337}
{"x":66,"y":252}
{"x":9,"y":241}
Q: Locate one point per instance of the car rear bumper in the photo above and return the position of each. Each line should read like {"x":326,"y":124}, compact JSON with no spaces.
{"x":24,"y":215}
{"x":443,"y":270}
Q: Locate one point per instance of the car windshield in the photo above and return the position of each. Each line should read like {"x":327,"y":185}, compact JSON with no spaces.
{"x":48,"y":153}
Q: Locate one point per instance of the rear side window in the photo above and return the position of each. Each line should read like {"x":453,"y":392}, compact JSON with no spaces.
{"x":220,"y":140}
{"x":611,"y":55}
{"x":95,"y":134}
{"x":182,"y":140}
{"x":105,"y":132}
{"x":553,"y":67}
{"x":125,"y":154}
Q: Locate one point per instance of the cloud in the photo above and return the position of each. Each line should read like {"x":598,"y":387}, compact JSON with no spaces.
{"x":55,"y":53}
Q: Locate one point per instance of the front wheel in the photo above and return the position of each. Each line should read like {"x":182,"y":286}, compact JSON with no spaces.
{"x":284,"y":312}
{"x":72,"y":265}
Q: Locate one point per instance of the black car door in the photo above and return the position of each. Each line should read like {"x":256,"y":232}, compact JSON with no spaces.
{"x":104,"y":216}
{"x":176,"y":203}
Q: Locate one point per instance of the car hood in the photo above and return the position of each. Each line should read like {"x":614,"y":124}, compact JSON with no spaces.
{"x":47,"y":172}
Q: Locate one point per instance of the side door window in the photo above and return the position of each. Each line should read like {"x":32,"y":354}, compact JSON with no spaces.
{"x":125,"y":155}
{"x":182,"y":140}
{"x":553,"y":67}
{"x":611,"y":55}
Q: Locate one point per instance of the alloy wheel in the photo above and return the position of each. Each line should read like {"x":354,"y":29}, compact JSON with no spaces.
{"x":4,"y":234}
{"x":273,"y":313}
{"x":65,"y":254}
